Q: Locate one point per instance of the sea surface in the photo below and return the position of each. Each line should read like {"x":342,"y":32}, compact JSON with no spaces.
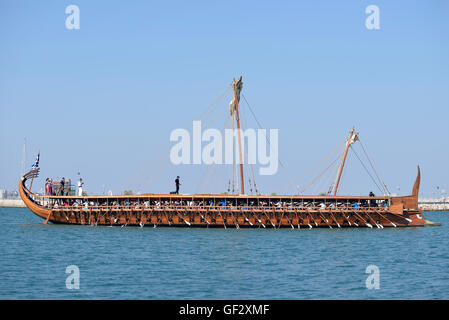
{"x":189,"y":263}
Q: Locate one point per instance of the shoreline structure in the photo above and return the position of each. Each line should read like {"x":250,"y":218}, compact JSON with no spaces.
{"x":12,"y":203}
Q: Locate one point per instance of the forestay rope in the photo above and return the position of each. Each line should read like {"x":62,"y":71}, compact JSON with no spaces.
{"x":374,"y":169}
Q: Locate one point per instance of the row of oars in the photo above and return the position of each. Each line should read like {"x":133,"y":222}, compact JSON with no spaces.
{"x":369,"y":221}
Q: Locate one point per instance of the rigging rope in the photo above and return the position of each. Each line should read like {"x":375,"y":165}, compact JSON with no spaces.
{"x":266,"y":137}
{"x":207,"y":125}
{"x":316,"y":165}
{"x":213,"y":105}
{"x":214,"y":164}
{"x":366,"y":170}
{"x":251,"y":171}
{"x":326,"y":181}
{"x":306,"y":187}
{"x":374,"y":169}
{"x":344,"y":171}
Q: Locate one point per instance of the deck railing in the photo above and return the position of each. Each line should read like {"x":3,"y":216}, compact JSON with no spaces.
{"x":212,"y":209}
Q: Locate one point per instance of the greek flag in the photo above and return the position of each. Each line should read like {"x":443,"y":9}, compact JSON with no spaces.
{"x":36,"y":163}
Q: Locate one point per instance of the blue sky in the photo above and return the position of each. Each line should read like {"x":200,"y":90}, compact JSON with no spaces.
{"x":103,"y":99}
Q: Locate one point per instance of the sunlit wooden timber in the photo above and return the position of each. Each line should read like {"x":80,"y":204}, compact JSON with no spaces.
{"x":226,"y":211}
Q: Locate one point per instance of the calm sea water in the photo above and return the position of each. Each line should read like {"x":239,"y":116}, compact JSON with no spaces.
{"x":181,"y":263}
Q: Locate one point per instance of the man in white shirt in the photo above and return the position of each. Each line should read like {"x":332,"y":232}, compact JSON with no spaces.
{"x":80,"y":188}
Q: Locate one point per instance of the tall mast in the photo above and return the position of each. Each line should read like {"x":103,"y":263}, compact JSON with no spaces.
{"x":237,"y":87}
{"x":353,"y":137}
{"x":24,"y":156}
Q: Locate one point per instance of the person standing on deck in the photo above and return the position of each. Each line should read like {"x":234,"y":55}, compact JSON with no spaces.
{"x":47,"y":187}
{"x":177,"y":184}
{"x":372,"y":202}
{"x":61,"y":187}
{"x":80,"y":188}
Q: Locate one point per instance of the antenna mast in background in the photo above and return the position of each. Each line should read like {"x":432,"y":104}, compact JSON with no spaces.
{"x":24,"y":155}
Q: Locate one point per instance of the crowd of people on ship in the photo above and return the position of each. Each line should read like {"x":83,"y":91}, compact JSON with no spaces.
{"x":55,"y":188}
{"x":219,"y":204}
{"x":223,"y":204}
{"x":58,"y":189}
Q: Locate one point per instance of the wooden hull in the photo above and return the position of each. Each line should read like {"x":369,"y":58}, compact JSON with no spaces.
{"x":210,"y":219}
{"x":205,"y":211}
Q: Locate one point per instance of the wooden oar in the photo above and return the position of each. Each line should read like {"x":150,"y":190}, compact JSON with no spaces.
{"x":258,"y":220}
{"x":247,"y":220}
{"x":280,"y":220}
{"x":235,"y":221}
{"x":398,"y":215}
{"x":393,"y":224}
{"x":347,"y":219}
{"x":146,"y":218}
{"x":334,"y":218}
{"x":367,"y":224}
{"x":372,"y":220}
{"x":379,"y":226}
{"x":326,"y":220}
{"x":204,"y":219}
{"x":222,"y":218}
{"x":141,"y":224}
{"x":289,"y":220}
{"x":168,"y":220}
{"x":296,"y":213}
{"x":48,"y":217}
{"x":274,"y":226}
{"x":311,"y":217}
{"x":179,"y":215}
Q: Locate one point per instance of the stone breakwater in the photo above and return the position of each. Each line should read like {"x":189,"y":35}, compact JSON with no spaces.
{"x":434,"y":206}
{"x":12,"y":203}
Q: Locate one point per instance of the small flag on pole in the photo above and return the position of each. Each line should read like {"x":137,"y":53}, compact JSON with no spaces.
{"x":36,"y":163}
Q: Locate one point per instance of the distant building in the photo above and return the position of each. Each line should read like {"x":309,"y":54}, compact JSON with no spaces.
{"x":433,"y":200}
{"x":5,"y":194}
{"x":434,"y":204}
{"x":13,"y":194}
